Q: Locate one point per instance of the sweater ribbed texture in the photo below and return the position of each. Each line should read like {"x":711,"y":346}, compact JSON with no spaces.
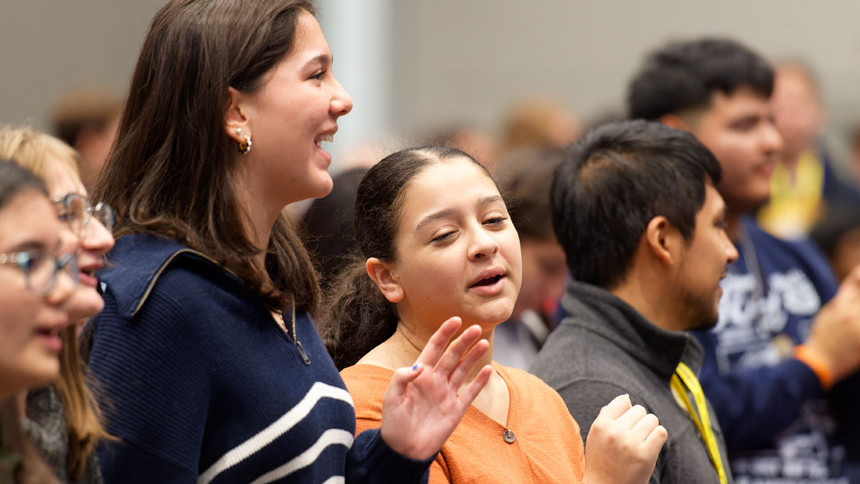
{"x":201,"y":384}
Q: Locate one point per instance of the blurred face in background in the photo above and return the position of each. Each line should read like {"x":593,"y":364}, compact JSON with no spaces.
{"x":544,"y":275}
{"x":739,"y":130}
{"x":32,"y":310}
{"x":797,"y":111}
{"x":83,"y":232}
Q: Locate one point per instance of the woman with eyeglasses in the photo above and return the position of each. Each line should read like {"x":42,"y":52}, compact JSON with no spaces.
{"x":37,"y":285}
{"x":63,"y":419}
{"x":212,"y":367}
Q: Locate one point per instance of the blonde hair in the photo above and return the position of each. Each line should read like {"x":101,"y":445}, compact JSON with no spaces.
{"x":32,"y":149}
{"x":538,"y":123}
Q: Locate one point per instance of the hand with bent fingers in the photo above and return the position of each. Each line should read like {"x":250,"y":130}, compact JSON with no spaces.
{"x":623,"y":444}
{"x":422,"y":406}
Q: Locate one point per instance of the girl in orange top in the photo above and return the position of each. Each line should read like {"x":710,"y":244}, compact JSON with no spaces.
{"x":437,"y":242}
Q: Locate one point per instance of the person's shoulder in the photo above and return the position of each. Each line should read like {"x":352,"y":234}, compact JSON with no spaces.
{"x":800,"y":254}
{"x":529,"y":385}
{"x":366,"y":381}
{"x":522,"y":379}
{"x":562,"y":354}
{"x":367,"y":385}
{"x":800,"y":247}
{"x":145,"y":267}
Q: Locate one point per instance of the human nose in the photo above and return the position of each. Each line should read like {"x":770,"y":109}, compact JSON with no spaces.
{"x":97,"y":238}
{"x":731,"y":250}
{"x":482,"y":245}
{"x":341,"y":101}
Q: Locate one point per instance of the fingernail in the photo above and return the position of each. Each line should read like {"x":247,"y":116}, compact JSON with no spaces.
{"x":415,"y":367}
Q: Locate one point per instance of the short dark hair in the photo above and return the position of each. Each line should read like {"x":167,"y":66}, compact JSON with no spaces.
{"x":684,"y":75}
{"x":617,"y":178}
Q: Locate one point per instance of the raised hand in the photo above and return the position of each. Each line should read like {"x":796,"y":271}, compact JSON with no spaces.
{"x":623,"y":444}
{"x":834,"y":339}
{"x":423,"y":403}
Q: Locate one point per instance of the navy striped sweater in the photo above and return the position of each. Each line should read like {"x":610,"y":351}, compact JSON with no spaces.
{"x":200,"y":384}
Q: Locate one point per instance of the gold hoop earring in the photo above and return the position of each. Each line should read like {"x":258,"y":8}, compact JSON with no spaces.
{"x":244,"y":146}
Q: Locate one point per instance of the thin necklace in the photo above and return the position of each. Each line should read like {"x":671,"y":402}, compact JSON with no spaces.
{"x":403,"y":335}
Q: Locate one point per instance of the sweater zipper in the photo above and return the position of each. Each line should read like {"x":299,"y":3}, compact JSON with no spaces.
{"x":298,"y":343}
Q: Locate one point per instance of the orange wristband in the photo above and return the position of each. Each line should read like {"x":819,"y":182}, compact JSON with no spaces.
{"x":802,"y":353}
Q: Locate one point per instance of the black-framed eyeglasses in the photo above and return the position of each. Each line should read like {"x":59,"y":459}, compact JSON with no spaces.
{"x":76,"y":211}
{"x":40,"y":270}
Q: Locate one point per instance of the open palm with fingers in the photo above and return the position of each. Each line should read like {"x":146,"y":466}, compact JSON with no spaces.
{"x":423,"y":403}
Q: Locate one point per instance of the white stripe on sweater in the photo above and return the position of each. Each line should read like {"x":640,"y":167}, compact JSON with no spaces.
{"x":281,"y":426}
{"x":335,"y":480}
{"x":328,"y":438}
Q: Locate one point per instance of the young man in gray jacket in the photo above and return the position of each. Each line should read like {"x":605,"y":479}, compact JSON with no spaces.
{"x":635,"y":209}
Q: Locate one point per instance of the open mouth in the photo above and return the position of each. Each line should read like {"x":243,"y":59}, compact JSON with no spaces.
{"x":51,"y":338}
{"x":46,"y":332}
{"x":87,"y":276}
{"x":488,"y":281}
{"x":328,"y":138}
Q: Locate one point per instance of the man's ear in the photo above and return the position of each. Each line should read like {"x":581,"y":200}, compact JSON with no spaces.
{"x":674,"y":121}
{"x":386,"y":280}
{"x":663,"y":240}
{"x":236,"y":119}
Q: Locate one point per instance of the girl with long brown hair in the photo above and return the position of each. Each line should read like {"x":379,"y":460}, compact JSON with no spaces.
{"x":206,"y":353}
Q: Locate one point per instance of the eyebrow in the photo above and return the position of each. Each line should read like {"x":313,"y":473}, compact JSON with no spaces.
{"x":489,"y":199}
{"x":450,"y":212}
{"x":748,"y":118}
{"x":434,"y":216}
{"x":29,"y":245}
{"x":322,"y":59}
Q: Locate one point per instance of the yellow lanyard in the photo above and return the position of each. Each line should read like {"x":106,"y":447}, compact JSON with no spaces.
{"x":684,"y":374}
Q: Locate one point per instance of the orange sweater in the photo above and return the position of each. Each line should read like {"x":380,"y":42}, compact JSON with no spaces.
{"x":547,"y":447}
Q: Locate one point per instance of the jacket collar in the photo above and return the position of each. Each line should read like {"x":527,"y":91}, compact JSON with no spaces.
{"x":599,"y":311}
{"x":136,"y":261}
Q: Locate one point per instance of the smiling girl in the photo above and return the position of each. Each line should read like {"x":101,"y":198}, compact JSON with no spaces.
{"x":212,"y":369}
{"x":438,"y":242}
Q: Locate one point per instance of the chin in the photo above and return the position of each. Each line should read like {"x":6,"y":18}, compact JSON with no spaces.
{"x":496,"y":316}
{"x":706,"y":322}
{"x":321,"y":189}
{"x":84,"y":306}
{"x":44,"y":372}
{"x":326,"y":184}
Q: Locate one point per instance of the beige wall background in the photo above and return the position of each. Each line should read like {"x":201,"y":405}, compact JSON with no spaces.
{"x":447,"y":61}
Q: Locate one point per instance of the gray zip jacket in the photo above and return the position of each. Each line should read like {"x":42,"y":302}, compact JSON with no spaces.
{"x":605,"y":348}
